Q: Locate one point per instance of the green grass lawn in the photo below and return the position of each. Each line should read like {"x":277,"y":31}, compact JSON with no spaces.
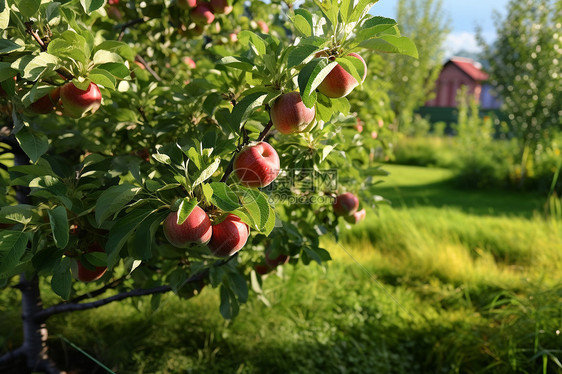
{"x":413,"y":186}
{"x":444,"y":282}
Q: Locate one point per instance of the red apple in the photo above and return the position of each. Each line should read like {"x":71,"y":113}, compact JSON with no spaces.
{"x":186,"y":4}
{"x":281,"y":259}
{"x":233,"y":37}
{"x":189,"y":62}
{"x":263,"y":26}
{"x":339,"y":83}
{"x":202,"y":14}
{"x":89,"y":272}
{"x":229,"y":236}
{"x":47,"y":103}
{"x":262,"y":269}
{"x":195,"y":229}
{"x":114,"y":13}
{"x":77,"y":103}
{"x":356,"y":217}
{"x":113,"y":2}
{"x":257,"y":165}
{"x":359,"y":125}
{"x":374,"y":134}
{"x":346,"y":204}
{"x":290,"y":115}
{"x":221,"y":6}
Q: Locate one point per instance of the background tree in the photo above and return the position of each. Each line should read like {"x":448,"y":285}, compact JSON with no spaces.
{"x":526,"y":70}
{"x":413,"y":82}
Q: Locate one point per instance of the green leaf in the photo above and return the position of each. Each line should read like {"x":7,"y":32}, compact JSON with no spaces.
{"x":186,"y":207}
{"x":59,"y":226}
{"x":257,"y":206}
{"x":207,"y":172}
{"x":306,"y":15}
{"x":311,"y":76}
{"x":194,"y":157}
{"x":142,"y":241}
{"x":255,"y":42}
{"x":34,"y":66}
{"x":91,"y":5}
{"x":122,"y":231}
{"x":246,"y":107}
{"x":20,"y":213}
{"x":229,"y":306}
{"x":224,"y":197}
{"x":207,"y":191}
{"x":300,"y":53}
{"x":7,"y":46}
{"x":391,"y":44}
{"x":121,"y":48}
{"x":12,"y":248}
{"x":28,"y":8}
{"x":117,"y":69}
{"x":104,"y":57}
{"x":237,"y":62}
{"x":113,"y":200}
{"x":61,"y":283}
{"x":6,"y":70}
{"x":302,"y":25}
{"x":361,"y":9}
{"x":4,"y":15}
{"x":103,"y":78}
{"x":353,"y":66}
{"x":33,"y":143}
{"x":162,"y":158}
{"x":239,"y":285}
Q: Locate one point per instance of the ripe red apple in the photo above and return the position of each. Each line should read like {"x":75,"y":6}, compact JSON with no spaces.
{"x":195,"y":229}
{"x":221,"y":6}
{"x":281,"y":259}
{"x":233,"y":37}
{"x":290,"y":115}
{"x":346,"y":204}
{"x":257,"y":165}
{"x":262,"y":269}
{"x":356,"y":217}
{"x":113,"y":2}
{"x":47,"y":103}
{"x":263,"y":26}
{"x":186,"y":4}
{"x":89,"y":273}
{"x":77,"y":103}
{"x":189,"y":62}
{"x":229,"y":236}
{"x":202,"y":14}
{"x":339,"y":83}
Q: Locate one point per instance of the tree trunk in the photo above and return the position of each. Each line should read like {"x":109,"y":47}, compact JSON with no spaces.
{"x":35,"y":333}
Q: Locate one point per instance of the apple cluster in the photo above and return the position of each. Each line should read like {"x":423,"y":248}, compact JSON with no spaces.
{"x":70,"y":100}
{"x":201,"y":14}
{"x":257,"y":165}
{"x":346,"y":205}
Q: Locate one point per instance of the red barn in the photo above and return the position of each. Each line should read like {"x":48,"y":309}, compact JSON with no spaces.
{"x":457,"y":72}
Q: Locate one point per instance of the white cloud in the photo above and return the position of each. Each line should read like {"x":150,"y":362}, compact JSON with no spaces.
{"x":458,"y":41}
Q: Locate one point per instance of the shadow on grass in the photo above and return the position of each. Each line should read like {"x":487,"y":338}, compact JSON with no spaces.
{"x":479,"y":202}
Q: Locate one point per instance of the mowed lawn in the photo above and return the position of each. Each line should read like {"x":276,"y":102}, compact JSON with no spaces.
{"x":446,"y":281}
{"x":416,"y":186}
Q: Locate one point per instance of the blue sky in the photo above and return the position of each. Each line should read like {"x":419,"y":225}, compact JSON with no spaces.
{"x":464,"y":15}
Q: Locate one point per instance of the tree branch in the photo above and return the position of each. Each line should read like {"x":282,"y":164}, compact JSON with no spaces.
{"x":63,"y":308}
{"x":12,"y":355}
{"x":148,"y":68}
{"x":43,"y":46}
{"x":98,"y":292}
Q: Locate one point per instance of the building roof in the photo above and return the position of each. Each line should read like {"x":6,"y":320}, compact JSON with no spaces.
{"x":469,"y":67}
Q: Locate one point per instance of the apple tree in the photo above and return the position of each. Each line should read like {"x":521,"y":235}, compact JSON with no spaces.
{"x":165,"y":146}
